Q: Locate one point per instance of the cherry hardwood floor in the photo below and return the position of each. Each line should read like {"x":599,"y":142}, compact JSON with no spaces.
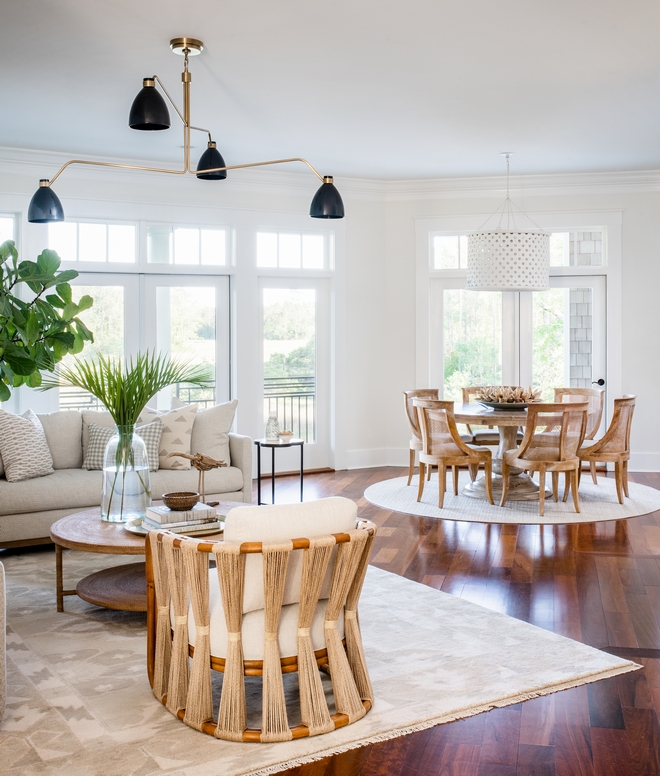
{"x":598,"y":583}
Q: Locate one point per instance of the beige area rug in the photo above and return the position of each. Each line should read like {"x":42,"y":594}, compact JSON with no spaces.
{"x":597,"y":502}
{"x":79,"y":702}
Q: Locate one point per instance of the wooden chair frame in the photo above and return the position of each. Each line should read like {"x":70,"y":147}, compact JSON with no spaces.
{"x":465,"y":455}
{"x":593,"y":418}
{"x":411,"y":415}
{"x":617,"y":438}
{"x":569,"y":465}
{"x":178,"y":570}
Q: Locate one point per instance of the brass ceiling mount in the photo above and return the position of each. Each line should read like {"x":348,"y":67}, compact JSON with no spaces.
{"x":179,"y":46}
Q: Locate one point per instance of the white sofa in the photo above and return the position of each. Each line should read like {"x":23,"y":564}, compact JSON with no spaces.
{"x":28,"y":508}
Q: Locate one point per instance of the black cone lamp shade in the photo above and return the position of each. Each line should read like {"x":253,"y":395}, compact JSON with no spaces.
{"x":210,"y":159}
{"x":327,"y":202}
{"x":149,"y":111}
{"x":45,"y":206}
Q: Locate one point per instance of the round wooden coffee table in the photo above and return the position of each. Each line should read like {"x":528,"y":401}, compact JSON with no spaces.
{"x":121,"y":587}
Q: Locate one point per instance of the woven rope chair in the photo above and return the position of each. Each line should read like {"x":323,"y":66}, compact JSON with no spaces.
{"x":549,"y":451}
{"x":614,"y":447}
{"x":308,"y":591}
{"x":442,"y":446}
{"x":416,"y":439}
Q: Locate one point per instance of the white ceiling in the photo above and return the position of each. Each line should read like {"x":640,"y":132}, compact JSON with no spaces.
{"x":380,"y":89}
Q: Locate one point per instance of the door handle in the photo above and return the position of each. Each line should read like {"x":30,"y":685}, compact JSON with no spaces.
{"x":598,"y":382}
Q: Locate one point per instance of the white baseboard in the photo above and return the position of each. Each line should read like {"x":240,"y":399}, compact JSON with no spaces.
{"x":383,"y":456}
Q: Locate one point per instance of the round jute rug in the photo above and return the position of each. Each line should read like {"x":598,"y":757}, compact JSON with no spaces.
{"x":597,"y":502}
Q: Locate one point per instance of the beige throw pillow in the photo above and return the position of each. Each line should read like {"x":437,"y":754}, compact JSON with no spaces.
{"x":210,"y":434}
{"x":63,"y":432}
{"x":177,"y":433}
{"x":23,"y":445}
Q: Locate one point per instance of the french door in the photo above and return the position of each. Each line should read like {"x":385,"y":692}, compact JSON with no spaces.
{"x":543,"y":339}
{"x":295,"y":360}
{"x":185,"y":316}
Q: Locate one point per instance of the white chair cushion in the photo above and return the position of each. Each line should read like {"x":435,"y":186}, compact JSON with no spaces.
{"x":286,"y":521}
{"x":253,"y":627}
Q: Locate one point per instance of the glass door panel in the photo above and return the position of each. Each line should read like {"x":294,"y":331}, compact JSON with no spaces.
{"x":188,"y":317}
{"x":113,"y":312}
{"x":549,"y":340}
{"x":472,"y":340}
{"x":289,"y":359}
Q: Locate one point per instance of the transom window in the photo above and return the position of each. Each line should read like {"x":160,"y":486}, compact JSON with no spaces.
{"x":292,"y":250}
{"x":94,"y":241}
{"x":192,"y":245}
{"x":567,"y":249}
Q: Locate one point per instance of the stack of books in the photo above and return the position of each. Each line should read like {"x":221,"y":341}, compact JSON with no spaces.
{"x":200,"y":518}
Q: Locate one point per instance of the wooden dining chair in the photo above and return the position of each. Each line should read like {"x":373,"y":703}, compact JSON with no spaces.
{"x":614,"y":446}
{"x":490,"y":437}
{"x":596,"y":399}
{"x":411,"y":415}
{"x":549,"y":451}
{"x":442,"y":446}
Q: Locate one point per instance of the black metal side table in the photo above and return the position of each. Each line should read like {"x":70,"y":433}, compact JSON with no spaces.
{"x":274,"y":444}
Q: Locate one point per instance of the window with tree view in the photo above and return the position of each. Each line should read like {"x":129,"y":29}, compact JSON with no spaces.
{"x":289,"y":348}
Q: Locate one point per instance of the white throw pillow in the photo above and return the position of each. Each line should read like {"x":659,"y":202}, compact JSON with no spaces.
{"x":210,"y":434}
{"x":99,"y":436}
{"x":23,"y":445}
{"x":177,"y":433}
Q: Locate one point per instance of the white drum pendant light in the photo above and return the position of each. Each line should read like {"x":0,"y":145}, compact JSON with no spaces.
{"x":508,"y":259}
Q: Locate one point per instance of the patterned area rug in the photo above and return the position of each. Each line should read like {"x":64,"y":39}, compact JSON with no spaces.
{"x":79,"y":702}
{"x":597,"y":502}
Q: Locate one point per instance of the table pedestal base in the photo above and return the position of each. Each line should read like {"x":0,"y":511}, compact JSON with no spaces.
{"x":521,"y":488}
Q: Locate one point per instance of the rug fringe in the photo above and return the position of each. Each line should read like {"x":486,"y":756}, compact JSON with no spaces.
{"x":453,"y":717}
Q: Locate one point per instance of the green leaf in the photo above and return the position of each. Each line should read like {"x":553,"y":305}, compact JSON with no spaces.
{"x":64,"y":337}
{"x":84,"y":303}
{"x":32,"y":328}
{"x":5,"y":393}
{"x":48,"y":262}
{"x":8,"y":250}
{"x":44,"y":358}
{"x":78,"y":344}
{"x":55,"y":301}
{"x":66,"y":276}
{"x":34,"y":380}
{"x":70,"y":311}
{"x":19,"y":361}
{"x":59,"y":349}
{"x":84,"y":332}
{"x":64,"y":290}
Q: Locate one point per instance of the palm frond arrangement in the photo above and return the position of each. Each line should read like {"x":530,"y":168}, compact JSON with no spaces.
{"x":124,"y":388}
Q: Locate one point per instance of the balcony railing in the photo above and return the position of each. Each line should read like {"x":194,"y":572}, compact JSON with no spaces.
{"x":77,"y":399}
{"x":294,"y":400}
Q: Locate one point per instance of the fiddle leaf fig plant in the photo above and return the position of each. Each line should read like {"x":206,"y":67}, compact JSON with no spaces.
{"x":39,"y":321}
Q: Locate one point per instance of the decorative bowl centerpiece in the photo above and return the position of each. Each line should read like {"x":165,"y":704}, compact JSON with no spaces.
{"x":180,"y":501}
{"x":286,"y":436}
{"x":507,"y":397}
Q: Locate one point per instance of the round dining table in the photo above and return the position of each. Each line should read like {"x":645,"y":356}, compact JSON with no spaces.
{"x":521,"y":486}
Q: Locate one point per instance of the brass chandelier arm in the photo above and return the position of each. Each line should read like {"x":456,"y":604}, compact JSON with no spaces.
{"x":262,"y":164}
{"x":173,"y":104}
{"x":113,"y":164}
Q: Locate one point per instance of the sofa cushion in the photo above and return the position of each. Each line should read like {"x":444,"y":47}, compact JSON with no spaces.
{"x":63,"y":432}
{"x":177,"y":433}
{"x":210,"y":434}
{"x":98,"y":418}
{"x":99,"y":436}
{"x":286,"y":521}
{"x":64,"y":489}
{"x":229,"y":479}
{"x":25,"y":451}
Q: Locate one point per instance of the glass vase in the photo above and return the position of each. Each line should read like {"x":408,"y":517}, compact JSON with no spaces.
{"x":272,"y":426}
{"x":126,"y":483}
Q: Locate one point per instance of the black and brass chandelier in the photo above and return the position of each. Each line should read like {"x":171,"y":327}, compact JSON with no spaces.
{"x":149,"y":112}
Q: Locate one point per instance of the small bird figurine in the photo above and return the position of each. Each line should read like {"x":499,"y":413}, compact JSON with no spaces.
{"x":203,"y":463}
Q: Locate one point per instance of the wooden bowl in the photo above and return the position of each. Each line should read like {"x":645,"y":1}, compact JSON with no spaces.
{"x":180,"y":501}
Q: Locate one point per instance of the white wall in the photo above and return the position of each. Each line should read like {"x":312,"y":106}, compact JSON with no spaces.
{"x":375,"y":281}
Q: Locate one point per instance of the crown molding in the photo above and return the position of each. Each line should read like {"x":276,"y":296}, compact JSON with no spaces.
{"x":39,"y":164}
